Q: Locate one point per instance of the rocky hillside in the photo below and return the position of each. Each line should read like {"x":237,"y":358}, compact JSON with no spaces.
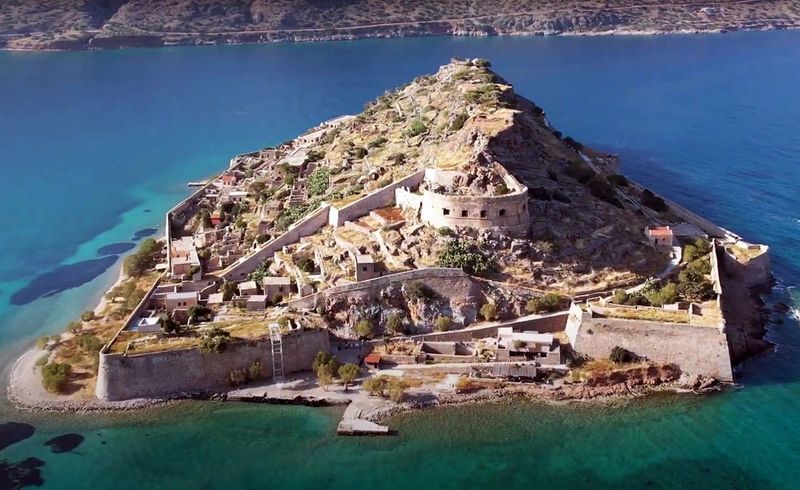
{"x":586,"y":230}
{"x":81,"y":24}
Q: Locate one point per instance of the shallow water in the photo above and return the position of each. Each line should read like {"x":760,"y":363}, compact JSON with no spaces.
{"x":95,"y":146}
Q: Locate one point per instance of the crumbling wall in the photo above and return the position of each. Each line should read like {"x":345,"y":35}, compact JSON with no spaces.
{"x":170,"y":373}
{"x":307,"y":226}
{"x":383,"y":197}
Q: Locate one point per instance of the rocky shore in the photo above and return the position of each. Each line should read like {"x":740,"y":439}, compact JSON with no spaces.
{"x":572,"y":393}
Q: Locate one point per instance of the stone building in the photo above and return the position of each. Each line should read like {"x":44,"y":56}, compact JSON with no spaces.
{"x":439,"y":207}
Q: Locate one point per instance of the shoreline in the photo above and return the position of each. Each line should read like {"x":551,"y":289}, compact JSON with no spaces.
{"x":146,"y":40}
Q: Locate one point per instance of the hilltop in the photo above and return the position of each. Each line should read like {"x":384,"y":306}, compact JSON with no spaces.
{"x":68,"y":24}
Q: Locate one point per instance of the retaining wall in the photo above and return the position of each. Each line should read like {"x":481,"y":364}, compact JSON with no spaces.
{"x":695,"y":349}
{"x":305,"y":227}
{"x":162,"y":374}
{"x":383,"y":197}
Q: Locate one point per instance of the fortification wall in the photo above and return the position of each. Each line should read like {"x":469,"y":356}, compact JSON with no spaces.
{"x":753,"y":272}
{"x":508,"y":213}
{"x":305,"y":227}
{"x":695,"y":349}
{"x":444,"y":281}
{"x":163,"y":374}
{"x":383,"y":197}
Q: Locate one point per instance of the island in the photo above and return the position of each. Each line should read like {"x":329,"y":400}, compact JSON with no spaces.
{"x":108,"y":24}
{"x":445,"y":245}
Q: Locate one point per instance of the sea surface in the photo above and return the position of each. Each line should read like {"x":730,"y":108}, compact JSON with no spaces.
{"x":96,"y":146}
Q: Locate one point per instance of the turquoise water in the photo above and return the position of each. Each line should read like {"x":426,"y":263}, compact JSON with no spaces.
{"x":95,"y":146}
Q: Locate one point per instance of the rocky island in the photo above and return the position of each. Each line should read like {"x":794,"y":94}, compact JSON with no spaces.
{"x":103,"y":24}
{"x":447,"y":244}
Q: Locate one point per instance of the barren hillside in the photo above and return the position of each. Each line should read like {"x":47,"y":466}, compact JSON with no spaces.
{"x":80,"y":24}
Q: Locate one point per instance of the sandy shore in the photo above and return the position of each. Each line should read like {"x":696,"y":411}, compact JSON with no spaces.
{"x":25,"y":391}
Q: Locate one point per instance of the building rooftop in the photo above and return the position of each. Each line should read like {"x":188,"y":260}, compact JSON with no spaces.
{"x":276,"y":280}
{"x":248,"y":285}
{"x":182,"y":295}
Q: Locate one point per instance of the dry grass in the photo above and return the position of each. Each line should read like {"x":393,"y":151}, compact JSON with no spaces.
{"x":646,"y":314}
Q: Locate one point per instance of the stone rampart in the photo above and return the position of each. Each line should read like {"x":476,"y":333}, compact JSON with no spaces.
{"x":695,"y":349}
{"x":169,"y":373}
{"x":385,"y":196}
{"x":305,"y":227}
{"x":508,"y":213}
{"x":753,"y":271}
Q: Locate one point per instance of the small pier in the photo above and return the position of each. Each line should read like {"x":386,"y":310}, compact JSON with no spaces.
{"x":353,"y":425}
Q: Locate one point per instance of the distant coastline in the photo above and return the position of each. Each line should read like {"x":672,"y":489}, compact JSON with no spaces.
{"x":135,"y":25}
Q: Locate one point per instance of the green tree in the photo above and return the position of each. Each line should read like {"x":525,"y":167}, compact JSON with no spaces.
{"x":397,"y":390}
{"x":143,"y":259}
{"x":168,"y":325}
{"x":375,"y":386}
{"x":364,"y":328}
{"x":394,"y":324}
{"x":324,"y":376}
{"x":548,"y":303}
{"x":347,"y":373}
{"x":325,"y":359}
{"x":318,"y":182}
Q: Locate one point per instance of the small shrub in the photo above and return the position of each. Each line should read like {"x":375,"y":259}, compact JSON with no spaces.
{"x":318,"y":181}
{"x":620,"y":355}
{"x":364,"y":328}
{"x":489,"y":311}
{"x":89,"y":343}
{"x":547,"y":303}
{"x":255,"y":371}
{"x":87,"y":316}
{"x":463,"y":384}
{"x":459,"y":254}
{"x":458,"y":121}
{"x":501,"y":189}
{"x":418,"y":291}
{"x":394,"y":324}
{"x":519,"y":344}
{"x":444,"y":231}
{"x":443,"y":323}
{"x":55,"y":376}
{"x":42,"y":360}
{"x":618,"y":180}
{"x":416,"y":128}
{"x":396,"y":390}
{"x":652,"y":201}
{"x":41,"y":342}
{"x":214,"y":340}
{"x":237,"y":377}
{"x":579,"y":171}
{"x":377,"y":142}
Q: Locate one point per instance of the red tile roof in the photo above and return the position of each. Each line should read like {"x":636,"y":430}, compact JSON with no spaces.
{"x":373,"y":358}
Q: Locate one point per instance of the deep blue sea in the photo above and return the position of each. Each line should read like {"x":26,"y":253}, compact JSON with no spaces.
{"x":96,"y":146}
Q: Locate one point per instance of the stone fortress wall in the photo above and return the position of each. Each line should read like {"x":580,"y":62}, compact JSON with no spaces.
{"x":695,"y":349}
{"x":170,"y":373}
{"x":507,"y":213}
